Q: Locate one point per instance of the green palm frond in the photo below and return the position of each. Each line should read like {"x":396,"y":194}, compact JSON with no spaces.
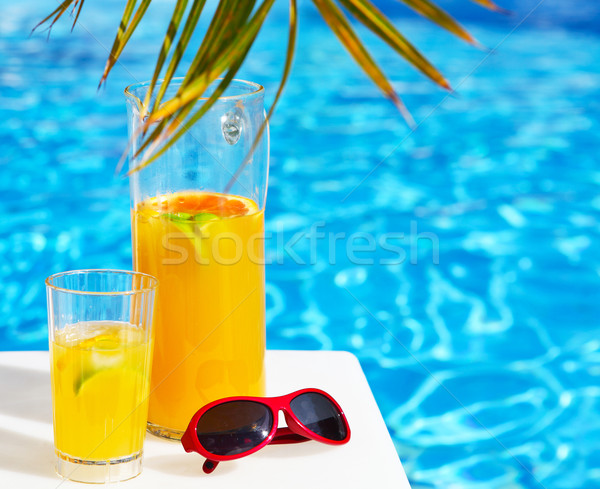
{"x":166,"y":46}
{"x":366,"y":13}
{"x":231,"y":33}
{"x":435,"y":14}
{"x":57,"y":14}
{"x":344,"y":32}
{"x":492,"y":6}
{"x":126,"y":29}
{"x":174,"y":113}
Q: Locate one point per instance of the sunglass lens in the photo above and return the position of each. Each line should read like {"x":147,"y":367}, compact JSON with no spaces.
{"x":234,"y":427}
{"x":320,"y":415}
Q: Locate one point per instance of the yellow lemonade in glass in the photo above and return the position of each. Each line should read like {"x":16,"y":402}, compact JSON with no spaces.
{"x":206,"y":249}
{"x":99,"y":389}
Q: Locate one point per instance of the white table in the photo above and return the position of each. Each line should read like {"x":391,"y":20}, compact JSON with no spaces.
{"x":369,"y":460}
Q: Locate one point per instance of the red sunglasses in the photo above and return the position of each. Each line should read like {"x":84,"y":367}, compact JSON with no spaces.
{"x":234,"y":427}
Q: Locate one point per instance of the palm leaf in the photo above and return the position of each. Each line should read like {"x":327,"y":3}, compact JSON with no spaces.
{"x":178,"y":12}
{"x":371,"y":17}
{"x":226,"y":24}
{"x":78,"y":12}
{"x":184,"y":39}
{"x":230,"y":35}
{"x":129,"y":6}
{"x":177,"y":109}
{"x":196,"y":81}
{"x":435,"y":14}
{"x":344,"y":32}
{"x":56,"y":13}
{"x":124,"y":33}
{"x":191,"y":89}
{"x":195,"y":86}
{"x":492,"y":6}
{"x":215,"y":36}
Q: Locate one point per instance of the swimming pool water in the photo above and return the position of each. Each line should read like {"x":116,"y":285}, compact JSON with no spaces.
{"x":482,"y":345}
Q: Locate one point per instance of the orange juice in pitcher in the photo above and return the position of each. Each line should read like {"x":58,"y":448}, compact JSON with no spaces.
{"x":206,"y":251}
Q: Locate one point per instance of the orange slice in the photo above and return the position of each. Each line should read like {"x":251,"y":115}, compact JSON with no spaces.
{"x":202,"y":202}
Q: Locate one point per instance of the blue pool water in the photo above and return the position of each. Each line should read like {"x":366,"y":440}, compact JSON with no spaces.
{"x":479,"y":334}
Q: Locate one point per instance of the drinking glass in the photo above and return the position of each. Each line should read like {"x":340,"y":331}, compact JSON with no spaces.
{"x":101,"y":338}
{"x":198,"y":225}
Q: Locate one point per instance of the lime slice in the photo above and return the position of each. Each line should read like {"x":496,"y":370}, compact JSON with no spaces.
{"x":98,"y":385}
{"x":178,"y":216}
{"x":102,"y":352}
{"x":118,"y":377}
{"x":181,"y":220}
{"x":192,"y":226}
{"x":98,"y":390}
{"x":205,"y":216}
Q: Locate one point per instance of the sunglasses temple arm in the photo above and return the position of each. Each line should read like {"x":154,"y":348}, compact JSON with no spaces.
{"x":209,"y":466}
{"x":284,"y":435}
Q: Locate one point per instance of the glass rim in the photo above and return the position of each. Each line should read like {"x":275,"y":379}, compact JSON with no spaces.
{"x":151,"y":287}
{"x":257,"y":88}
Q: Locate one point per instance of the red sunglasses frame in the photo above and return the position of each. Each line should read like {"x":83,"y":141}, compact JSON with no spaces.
{"x":295,"y":432}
